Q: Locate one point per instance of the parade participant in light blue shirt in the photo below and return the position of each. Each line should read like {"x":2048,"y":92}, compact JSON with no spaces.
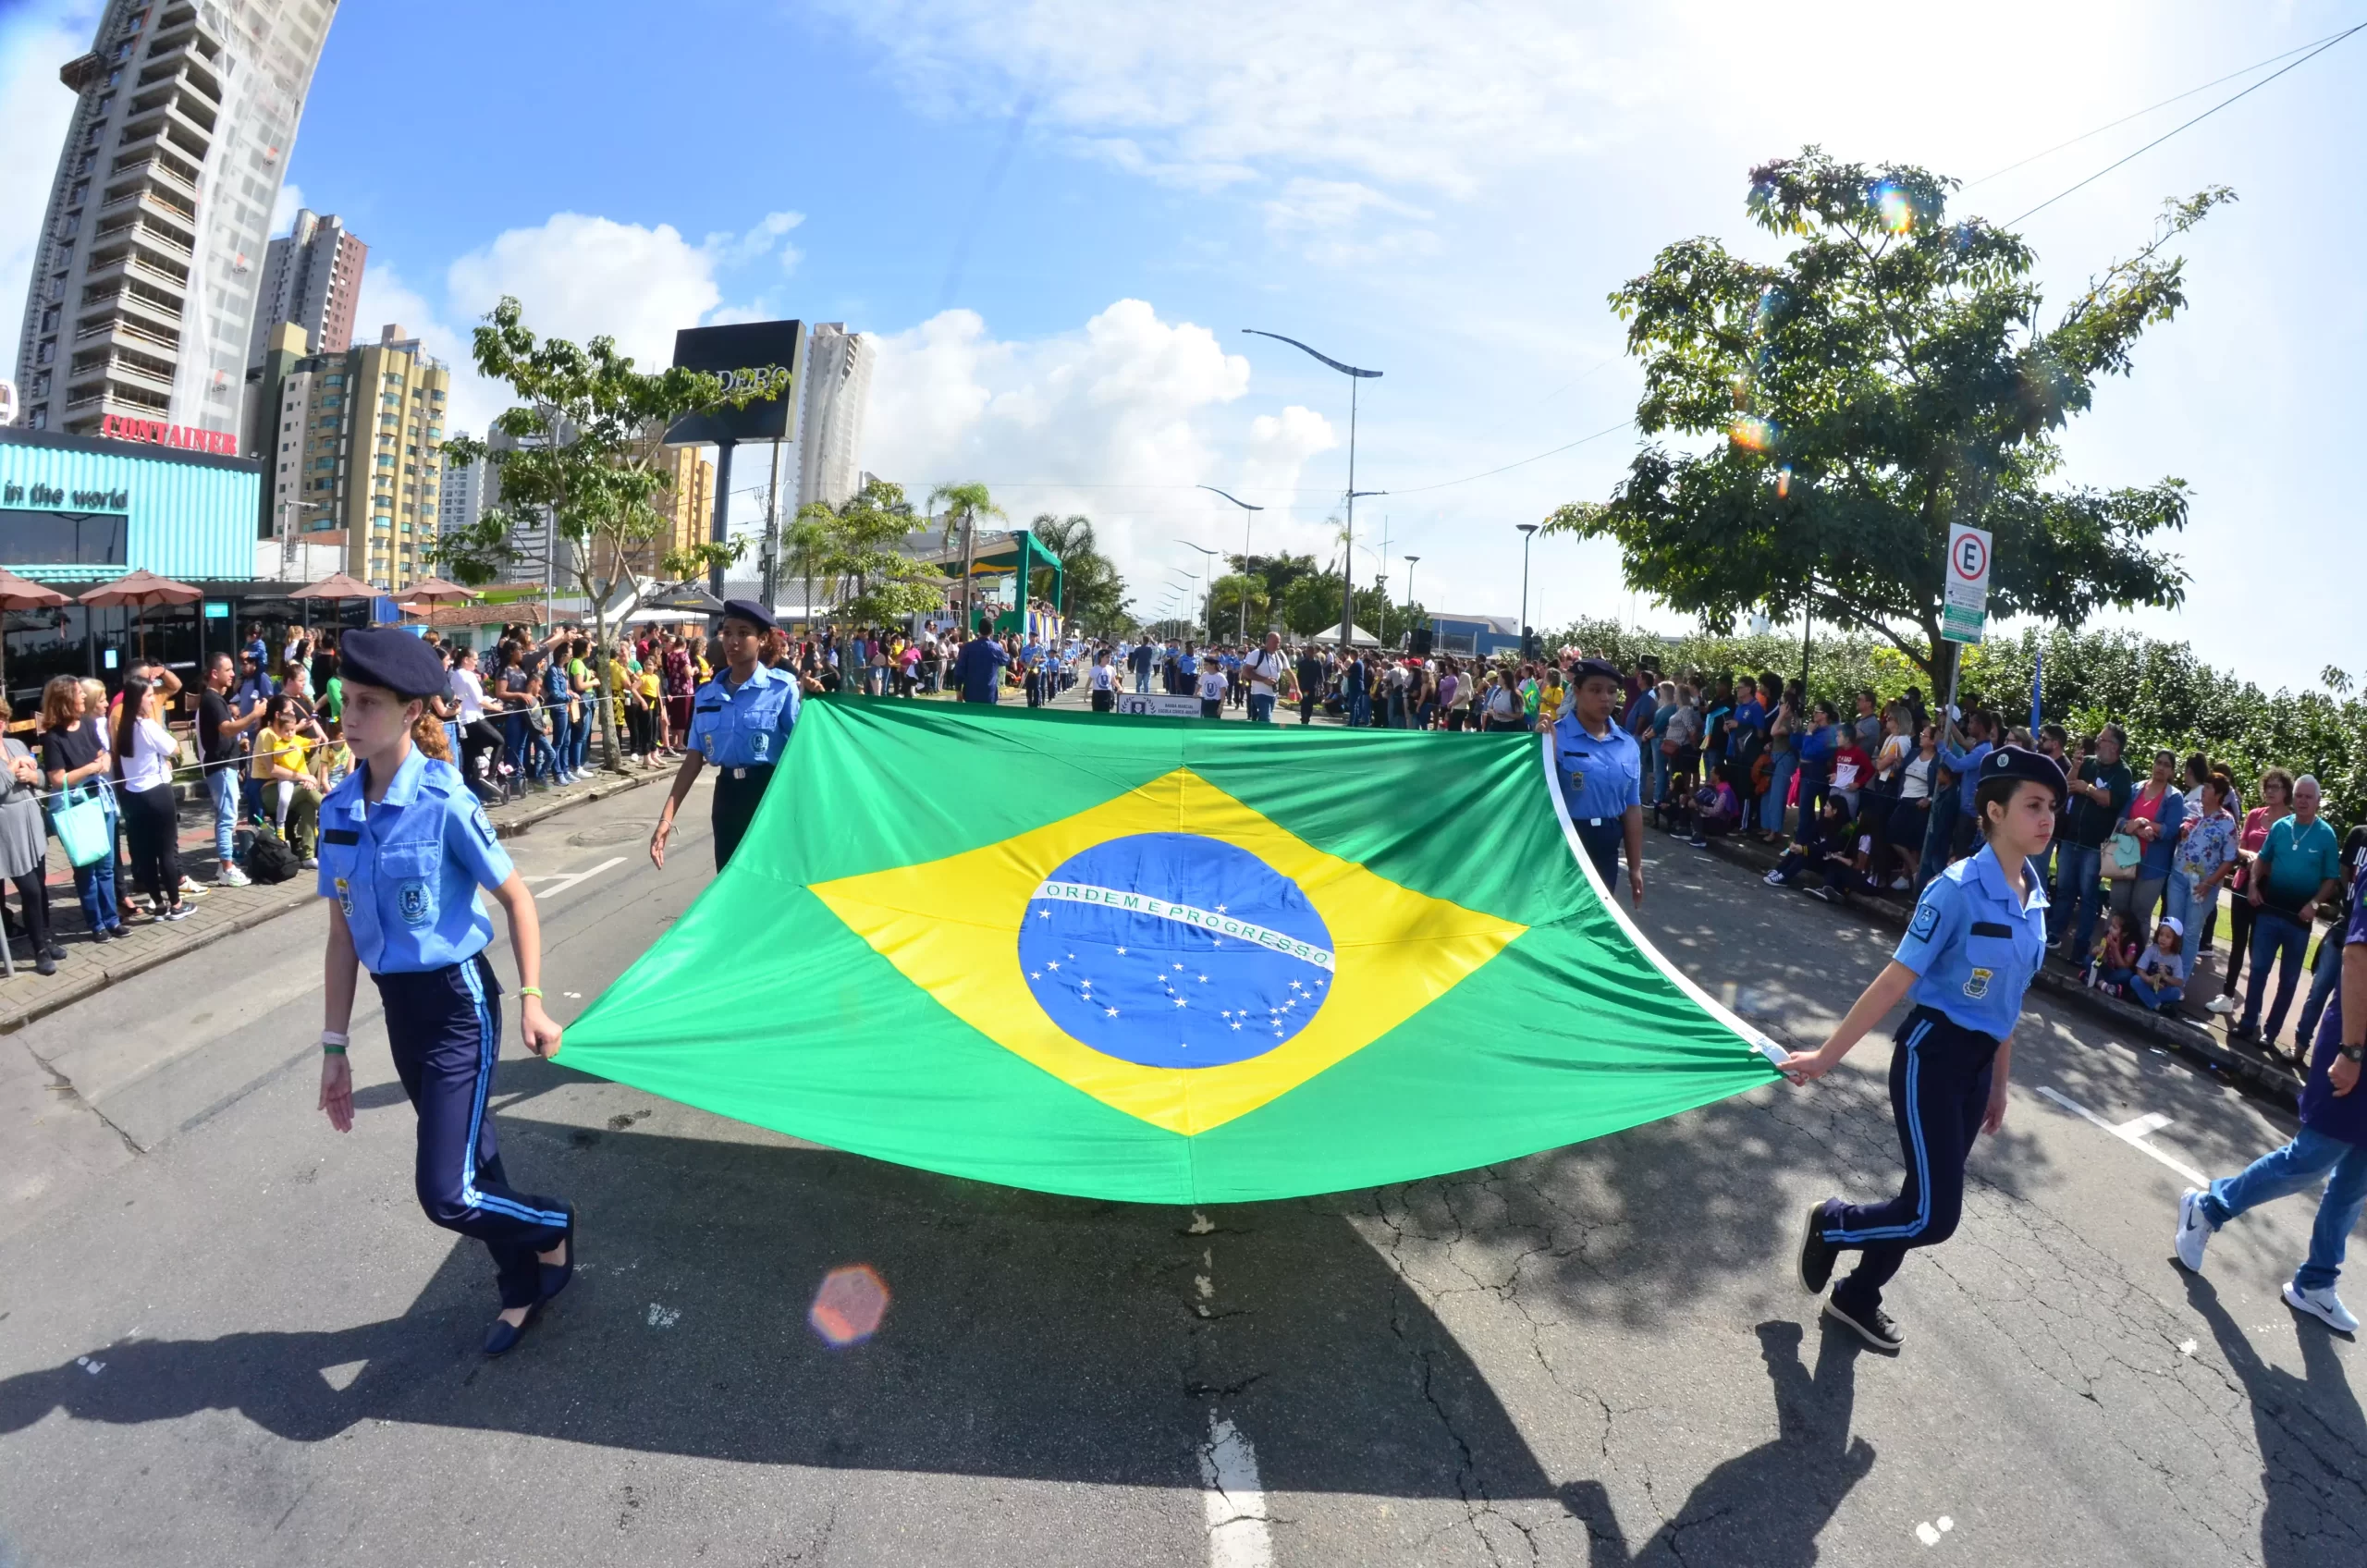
{"x":1599,"y":770}
{"x":740,"y":722}
{"x":1977,"y":936}
{"x":405,"y":846}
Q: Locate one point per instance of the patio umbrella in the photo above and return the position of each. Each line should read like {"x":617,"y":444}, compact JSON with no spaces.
{"x":137,"y":592}
{"x":338,"y":585}
{"x":16,"y":594}
{"x":435,"y":590}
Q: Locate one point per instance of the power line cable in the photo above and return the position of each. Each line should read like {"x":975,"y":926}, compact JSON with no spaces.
{"x":2141,"y":113}
{"x":1448,"y":484}
{"x":2197,"y":119}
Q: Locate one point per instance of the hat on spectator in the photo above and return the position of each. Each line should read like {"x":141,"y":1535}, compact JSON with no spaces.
{"x":393,"y":660}
{"x":2178,"y":926}
{"x":2022,"y":765}
{"x":750,"y":611}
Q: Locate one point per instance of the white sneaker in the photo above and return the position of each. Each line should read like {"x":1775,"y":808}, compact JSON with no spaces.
{"x":2323,"y":1306}
{"x":2222,"y":1005}
{"x":230,"y":876}
{"x":1774,"y":879}
{"x":2194,"y":1231}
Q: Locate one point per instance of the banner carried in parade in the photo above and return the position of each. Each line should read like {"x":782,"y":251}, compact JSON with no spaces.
{"x":1162,"y":959}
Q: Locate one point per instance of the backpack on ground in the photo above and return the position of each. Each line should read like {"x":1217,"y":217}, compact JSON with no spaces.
{"x":269,"y":858}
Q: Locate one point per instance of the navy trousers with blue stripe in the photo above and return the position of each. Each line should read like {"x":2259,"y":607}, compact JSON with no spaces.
{"x":444,"y":1029}
{"x":1939,"y":1092}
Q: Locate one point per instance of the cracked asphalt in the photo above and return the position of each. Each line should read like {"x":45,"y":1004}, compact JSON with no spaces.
{"x":226,"y":1335}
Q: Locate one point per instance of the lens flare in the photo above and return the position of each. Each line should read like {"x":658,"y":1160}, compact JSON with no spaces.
{"x":848,"y":1307}
{"x":1783,"y":482}
{"x":1898,"y":212}
{"x":1753,"y":434}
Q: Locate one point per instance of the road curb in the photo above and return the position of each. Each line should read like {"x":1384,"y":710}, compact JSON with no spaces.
{"x":2188,"y":1040}
{"x":85,"y":987}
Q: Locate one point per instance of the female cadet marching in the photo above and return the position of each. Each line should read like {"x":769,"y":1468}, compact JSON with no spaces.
{"x":1978,"y":936}
{"x":740,"y":722}
{"x":404,"y":848}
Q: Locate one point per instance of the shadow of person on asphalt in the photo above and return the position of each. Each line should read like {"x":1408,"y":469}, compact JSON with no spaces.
{"x":2312,"y":1442}
{"x":1766,"y":1508}
{"x":1027,"y":1336}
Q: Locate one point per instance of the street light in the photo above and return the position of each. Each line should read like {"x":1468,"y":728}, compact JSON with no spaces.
{"x":1348,"y":577}
{"x":1208,"y":617}
{"x":1410,"y":588}
{"x":1246,"y":509}
{"x":1526,"y":530}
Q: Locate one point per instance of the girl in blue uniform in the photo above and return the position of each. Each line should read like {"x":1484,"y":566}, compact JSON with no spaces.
{"x":404,"y":848}
{"x":1977,"y":936}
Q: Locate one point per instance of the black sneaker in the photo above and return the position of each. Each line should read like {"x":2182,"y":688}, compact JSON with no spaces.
{"x":1816,"y":1253}
{"x":1869,"y":1324}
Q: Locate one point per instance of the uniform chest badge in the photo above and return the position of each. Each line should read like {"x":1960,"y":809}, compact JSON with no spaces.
{"x":414,"y":902}
{"x":1976,"y":985}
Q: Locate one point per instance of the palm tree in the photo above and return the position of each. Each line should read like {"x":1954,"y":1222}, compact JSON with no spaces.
{"x":965,"y":504}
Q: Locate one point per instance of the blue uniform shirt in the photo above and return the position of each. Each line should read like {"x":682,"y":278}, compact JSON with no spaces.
{"x":1975,"y":945}
{"x":2345,"y":1116}
{"x":1600,"y":776}
{"x":406,"y":871}
{"x":747,"y":725}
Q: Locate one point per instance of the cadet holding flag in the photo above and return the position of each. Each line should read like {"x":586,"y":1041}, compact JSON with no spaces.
{"x":404,"y":848}
{"x":1977,"y":936}
{"x":739,"y":721}
{"x":1600,"y":773}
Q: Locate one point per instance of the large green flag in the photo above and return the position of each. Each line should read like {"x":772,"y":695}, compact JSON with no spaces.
{"x":1162,"y":959}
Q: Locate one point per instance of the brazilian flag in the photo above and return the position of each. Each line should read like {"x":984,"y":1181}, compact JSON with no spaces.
{"x":1162,"y":959}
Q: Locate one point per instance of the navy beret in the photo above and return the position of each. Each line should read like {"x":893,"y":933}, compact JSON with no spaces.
{"x":1581,"y":671}
{"x":2021,"y":763}
{"x":393,"y":660}
{"x":750,"y":611}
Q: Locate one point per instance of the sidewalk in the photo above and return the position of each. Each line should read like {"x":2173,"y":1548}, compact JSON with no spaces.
{"x":2208,"y":1047}
{"x":90,"y":967}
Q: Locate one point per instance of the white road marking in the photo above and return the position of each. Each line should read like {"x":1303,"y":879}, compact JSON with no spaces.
{"x":2135,"y":1139}
{"x":559,"y":882}
{"x":664,"y":1316}
{"x":1238,"y":1537}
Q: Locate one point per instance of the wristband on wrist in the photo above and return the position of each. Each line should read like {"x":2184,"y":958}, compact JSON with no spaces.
{"x":2352,"y":1054}
{"x":333,"y":1042}
{"x":530,"y":990}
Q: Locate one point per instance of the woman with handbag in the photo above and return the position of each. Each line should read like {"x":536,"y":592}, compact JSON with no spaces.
{"x":75,"y":759}
{"x":2155,"y":815}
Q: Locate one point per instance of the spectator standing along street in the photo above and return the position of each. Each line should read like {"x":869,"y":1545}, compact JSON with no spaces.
{"x":2099,"y":795}
{"x":2298,"y":873}
{"x":2155,"y":815}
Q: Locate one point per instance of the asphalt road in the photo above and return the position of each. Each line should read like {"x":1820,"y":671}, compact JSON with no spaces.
{"x":227,"y":1336}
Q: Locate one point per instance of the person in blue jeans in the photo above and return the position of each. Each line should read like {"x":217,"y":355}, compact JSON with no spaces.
{"x":2323,"y":978}
{"x":74,"y":752}
{"x":2330,"y":1148}
{"x":1782,"y":762}
{"x":2297,"y":872}
{"x":1816,"y":748}
{"x":2099,"y":792}
{"x":555,"y":694}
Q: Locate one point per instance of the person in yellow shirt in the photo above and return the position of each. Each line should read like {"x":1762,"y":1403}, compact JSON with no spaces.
{"x":280,"y":767}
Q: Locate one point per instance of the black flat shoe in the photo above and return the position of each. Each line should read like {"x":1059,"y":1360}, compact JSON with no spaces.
{"x":557,"y":1275}
{"x":503,"y":1337}
{"x":54,"y":950}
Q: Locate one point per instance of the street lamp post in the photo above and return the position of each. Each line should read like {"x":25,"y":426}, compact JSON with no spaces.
{"x":1208,"y":615}
{"x":1527,"y":530}
{"x":1410,"y":561}
{"x":1348,"y":577}
{"x":1246,"y":509}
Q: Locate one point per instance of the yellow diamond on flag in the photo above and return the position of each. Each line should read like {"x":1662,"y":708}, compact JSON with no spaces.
{"x":1173,"y":952}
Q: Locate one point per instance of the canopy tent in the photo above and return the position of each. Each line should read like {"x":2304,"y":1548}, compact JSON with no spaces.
{"x":1358,"y":636}
{"x":1002,"y":553}
{"x":1162,"y":961}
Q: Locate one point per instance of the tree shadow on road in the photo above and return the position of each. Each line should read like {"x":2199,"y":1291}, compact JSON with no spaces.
{"x":2313,"y":1443}
{"x":1765,"y":1508}
{"x":1028,"y":1336}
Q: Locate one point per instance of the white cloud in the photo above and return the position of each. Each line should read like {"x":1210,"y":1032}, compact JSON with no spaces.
{"x":579,"y":276}
{"x":1323,"y":217}
{"x":34,"y":113}
{"x":283,"y":207}
{"x":1047,"y":424}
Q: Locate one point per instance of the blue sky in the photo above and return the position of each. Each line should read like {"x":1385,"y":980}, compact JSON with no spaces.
{"x":1059,"y":215}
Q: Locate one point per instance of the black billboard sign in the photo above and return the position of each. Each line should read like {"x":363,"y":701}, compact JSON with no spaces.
{"x":767,"y":355}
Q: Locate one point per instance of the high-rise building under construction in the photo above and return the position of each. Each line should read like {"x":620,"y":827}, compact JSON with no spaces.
{"x":154,"y":244}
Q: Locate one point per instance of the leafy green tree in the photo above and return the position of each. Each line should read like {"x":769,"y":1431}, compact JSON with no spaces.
{"x":588,"y":430}
{"x":964,"y":505}
{"x":1888,"y":379}
{"x":1240,"y":605}
{"x":854,"y":545}
{"x":1093,"y":595}
{"x":1278,"y":572}
{"x":1313,"y":605}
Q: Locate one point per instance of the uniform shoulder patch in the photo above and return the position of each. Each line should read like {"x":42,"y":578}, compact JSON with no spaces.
{"x":1927,"y":920}
{"x":483,"y":823}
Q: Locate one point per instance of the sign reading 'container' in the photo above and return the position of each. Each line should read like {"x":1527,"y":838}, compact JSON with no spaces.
{"x":763,"y":356}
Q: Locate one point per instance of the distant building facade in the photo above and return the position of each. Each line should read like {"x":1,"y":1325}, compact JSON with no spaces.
{"x":460,"y":493}
{"x":151,"y":249}
{"x":310,"y":279}
{"x":837,"y":392}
